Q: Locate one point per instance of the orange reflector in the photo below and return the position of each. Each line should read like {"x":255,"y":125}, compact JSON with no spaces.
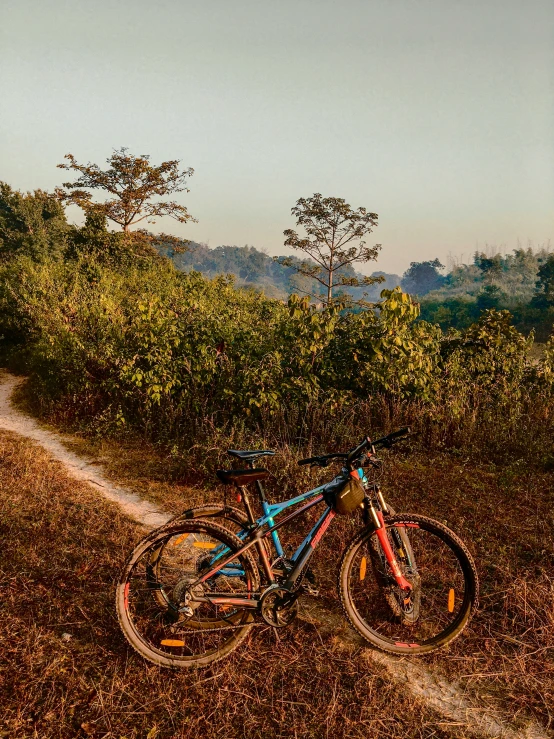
{"x":363,"y":568}
{"x":204,"y":545}
{"x":172,"y":643}
{"x":179,"y":539}
{"x":450,"y":600}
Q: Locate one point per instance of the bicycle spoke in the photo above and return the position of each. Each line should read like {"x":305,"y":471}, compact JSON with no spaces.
{"x":160,"y":610}
{"x":441,"y":575}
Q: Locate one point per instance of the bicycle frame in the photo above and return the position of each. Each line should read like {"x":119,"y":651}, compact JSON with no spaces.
{"x":255,"y":536}
{"x":271,"y":510}
{"x":301,"y":556}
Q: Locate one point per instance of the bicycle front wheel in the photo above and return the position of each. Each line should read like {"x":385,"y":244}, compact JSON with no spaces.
{"x":444,"y":586}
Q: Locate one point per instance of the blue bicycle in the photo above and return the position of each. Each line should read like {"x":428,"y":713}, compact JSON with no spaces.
{"x":191,"y":591}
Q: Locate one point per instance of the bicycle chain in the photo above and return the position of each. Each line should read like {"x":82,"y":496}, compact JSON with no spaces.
{"x":180,"y":632}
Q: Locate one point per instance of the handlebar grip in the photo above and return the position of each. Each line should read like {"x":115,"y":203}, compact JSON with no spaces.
{"x":400,"y":432}
{"x":310,"y":460}
{"x":388,"y":440}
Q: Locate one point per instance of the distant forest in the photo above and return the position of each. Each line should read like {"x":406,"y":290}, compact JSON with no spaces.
{"x":253,"y":268}
{"x":521,"y":282}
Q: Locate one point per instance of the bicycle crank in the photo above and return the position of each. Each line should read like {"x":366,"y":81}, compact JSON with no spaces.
{"x":278,"y":606}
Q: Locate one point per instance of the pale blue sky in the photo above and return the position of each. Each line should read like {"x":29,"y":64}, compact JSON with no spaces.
{"x":438,"y":115}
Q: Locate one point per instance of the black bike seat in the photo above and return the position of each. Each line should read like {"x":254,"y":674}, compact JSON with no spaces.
{"x":250,"y":456}
{"x":241,"y":477}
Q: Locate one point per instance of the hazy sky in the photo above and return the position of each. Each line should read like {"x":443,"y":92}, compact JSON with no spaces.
{"x":436,"y":114}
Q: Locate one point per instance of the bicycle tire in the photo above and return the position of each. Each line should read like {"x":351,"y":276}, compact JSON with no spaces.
{"x":351,"y":592}
{"x":210,"y":510}
{"x":218,"y":511}
{"x":143,"y":645}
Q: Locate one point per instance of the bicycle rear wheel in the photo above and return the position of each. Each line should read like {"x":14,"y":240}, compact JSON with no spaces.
{"x":226,"y":515}
{"x":152,"y":595}
{"x":443,"y":578}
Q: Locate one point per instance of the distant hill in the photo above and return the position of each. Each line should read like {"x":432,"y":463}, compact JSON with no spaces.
{"x":252,"y":267}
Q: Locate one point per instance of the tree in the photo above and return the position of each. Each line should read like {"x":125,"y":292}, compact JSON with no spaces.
{"x":333,"y":241}
{"x":30,"y":223}
{"x":544,"y":292}
{"x":422,"y":277}
{"x":490,"y":266}
{"x":491,"y":296}
{"x":132,"y":185}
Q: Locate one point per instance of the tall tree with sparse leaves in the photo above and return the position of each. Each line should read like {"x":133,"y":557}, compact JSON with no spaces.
{"x":334,"y":239}
{"x":136,"y":190}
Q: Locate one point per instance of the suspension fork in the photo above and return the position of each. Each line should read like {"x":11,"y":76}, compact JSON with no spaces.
{"x":381,"y":531}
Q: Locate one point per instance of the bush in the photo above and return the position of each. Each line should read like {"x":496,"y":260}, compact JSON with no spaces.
{"x":139,"y":345}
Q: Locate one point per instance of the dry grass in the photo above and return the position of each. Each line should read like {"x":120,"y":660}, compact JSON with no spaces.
{"x":504,"y":513}
{"x":62,"y":549}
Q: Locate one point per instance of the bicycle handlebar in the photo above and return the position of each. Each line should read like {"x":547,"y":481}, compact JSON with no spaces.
{"x":323,"y":460}
{"x":353,"y":454}
{"x":388,"y":441}
{"x":384,"y":441}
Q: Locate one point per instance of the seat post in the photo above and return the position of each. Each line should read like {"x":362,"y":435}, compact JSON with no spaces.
{"x":259,"y":485}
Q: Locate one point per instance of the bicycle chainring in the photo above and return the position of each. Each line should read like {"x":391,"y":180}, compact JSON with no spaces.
{"x":279,"y":607}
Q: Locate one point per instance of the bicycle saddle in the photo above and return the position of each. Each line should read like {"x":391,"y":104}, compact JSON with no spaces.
{"x":241,"y":477}
{"x":250,"y":456}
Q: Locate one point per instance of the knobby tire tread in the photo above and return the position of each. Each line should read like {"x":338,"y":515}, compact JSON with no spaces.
{"x":136,"y":643}
{"x":437,"y":642}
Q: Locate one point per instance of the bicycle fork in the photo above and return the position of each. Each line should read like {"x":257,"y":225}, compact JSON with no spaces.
{"x":381,"y":532}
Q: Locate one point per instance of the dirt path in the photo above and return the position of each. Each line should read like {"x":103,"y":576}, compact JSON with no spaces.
{"x":450,"y":699}
{"x":81,"y":469}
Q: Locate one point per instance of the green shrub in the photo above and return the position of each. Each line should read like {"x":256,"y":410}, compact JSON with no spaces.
{"x":139,"y":345}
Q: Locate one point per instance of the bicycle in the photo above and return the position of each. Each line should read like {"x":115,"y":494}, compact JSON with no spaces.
{"x":191,"y":591}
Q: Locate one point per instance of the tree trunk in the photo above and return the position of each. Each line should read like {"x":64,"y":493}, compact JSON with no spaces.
{"x":330,"y":282}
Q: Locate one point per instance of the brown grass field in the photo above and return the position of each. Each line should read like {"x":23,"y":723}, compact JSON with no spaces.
{"x":62,"y":549}
{"x":504,"y":513}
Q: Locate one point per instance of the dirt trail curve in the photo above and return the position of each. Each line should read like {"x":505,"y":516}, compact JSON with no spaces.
{"x":13,"y":420}
{"x":450,"y":699}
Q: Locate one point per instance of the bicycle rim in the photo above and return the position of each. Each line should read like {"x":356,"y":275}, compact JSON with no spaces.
{"x":152,"y":595}
{"x":443,"y":579}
